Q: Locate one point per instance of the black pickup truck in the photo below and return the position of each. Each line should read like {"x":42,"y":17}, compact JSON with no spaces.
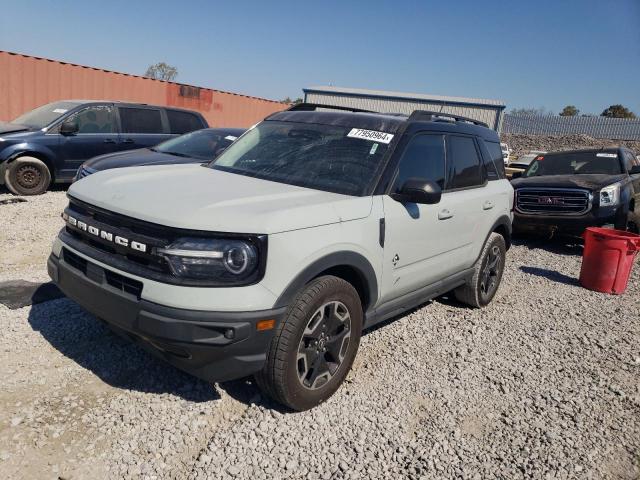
{"x":566,"y":192}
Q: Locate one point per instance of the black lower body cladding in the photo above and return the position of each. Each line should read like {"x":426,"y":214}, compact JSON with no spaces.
{"x":214,"y":346}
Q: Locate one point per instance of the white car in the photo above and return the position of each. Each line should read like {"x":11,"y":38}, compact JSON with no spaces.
{"x":506,"y":152}
{"x":523,"y":161}
{"x":271,"y":259}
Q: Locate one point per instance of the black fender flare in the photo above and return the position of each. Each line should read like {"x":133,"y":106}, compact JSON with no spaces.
{"x":350,"y":259}
{"x":502,"y":221}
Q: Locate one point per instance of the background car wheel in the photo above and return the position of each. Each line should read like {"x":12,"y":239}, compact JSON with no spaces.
{"x":486,"y":275}
{"x":314,"y":346}
{"x":27,"y":176}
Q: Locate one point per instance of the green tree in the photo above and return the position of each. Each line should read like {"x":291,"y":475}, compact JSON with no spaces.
{"x":569,"y":111}
{"x":162,"y":71}
{"x":618,"y":111}
{"x":294,"y":102}
{"x":530,"y":111}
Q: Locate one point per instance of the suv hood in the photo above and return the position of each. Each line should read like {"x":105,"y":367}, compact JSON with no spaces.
{"x":197,"y":198}
{"x":12,"y":128}
{"x":133,"y":158}
{"x":590,"y":182}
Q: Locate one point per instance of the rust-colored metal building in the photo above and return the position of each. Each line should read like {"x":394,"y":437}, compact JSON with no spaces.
{"x":27,"y":82}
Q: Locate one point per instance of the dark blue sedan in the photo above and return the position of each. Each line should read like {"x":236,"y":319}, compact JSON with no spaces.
{"x":195,"y":147}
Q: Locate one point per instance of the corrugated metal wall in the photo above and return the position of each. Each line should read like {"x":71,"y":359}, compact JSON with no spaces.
{"x":27,"y":82}
{"x":488,"y":114}
{"x":597,"y":127}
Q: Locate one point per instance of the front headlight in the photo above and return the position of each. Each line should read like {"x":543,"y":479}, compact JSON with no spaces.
{"x":228,"y":261}
{"x":610,"y":195}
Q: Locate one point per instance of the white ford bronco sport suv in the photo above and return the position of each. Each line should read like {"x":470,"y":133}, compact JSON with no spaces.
{"x":270,"y":260}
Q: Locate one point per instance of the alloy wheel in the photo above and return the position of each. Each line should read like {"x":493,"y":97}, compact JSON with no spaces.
{"x":491,"y":271}
{"x":323,"y":345}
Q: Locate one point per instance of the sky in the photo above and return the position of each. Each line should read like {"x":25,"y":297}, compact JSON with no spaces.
{"x":534,"y":53}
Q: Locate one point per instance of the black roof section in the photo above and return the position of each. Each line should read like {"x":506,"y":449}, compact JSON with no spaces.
{"x":387,"y":122}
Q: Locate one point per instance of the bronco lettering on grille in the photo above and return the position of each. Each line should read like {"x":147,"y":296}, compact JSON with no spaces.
{"x":103,"y":234}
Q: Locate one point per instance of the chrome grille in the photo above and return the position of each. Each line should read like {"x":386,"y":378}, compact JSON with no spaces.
{"x":553,"y":201}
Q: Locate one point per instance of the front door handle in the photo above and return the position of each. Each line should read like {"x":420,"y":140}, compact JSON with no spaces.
{"x":444,"y":214}
{"x":488,"y":205}
{"x":128,"y":140}
{"x":109,"y":140}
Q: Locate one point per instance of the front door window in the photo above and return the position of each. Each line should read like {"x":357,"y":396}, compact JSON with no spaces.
{"x":94,"y":119}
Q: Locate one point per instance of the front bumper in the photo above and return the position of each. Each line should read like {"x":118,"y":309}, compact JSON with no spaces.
{"x":569,"y":224}
{"x":214,"y":346}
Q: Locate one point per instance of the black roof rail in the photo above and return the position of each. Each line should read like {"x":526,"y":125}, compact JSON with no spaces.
{"x":427,"y":116}
{"x":309,"y":107}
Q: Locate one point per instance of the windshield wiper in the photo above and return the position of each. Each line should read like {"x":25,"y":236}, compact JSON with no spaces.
{"x":177,"y":154}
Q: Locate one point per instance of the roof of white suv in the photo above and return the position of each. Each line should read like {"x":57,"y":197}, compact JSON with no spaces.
{"x":372,"y":121}
{"x":386,"y":122}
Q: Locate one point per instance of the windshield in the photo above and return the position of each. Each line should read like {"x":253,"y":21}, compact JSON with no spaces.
{"x":202,"y":144}
{"x":322,"y":157}
{"x":44,"y":115}
{"x":580,"y":163}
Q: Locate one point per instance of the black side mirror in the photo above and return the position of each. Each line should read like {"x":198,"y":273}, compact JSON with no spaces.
{"x":635,"y":170}
{"x":68,"y":127}
{"x":515,"y":175}
{"x":419,"y":190}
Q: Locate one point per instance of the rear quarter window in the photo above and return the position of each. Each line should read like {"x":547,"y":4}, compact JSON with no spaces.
{"x":183,"y":122}
{"x":495,"y":160}
{"x":140,"y":120}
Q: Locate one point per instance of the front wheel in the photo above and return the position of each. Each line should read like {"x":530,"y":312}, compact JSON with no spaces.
{"x":633,"y":223}
{"x":487,"y":274}
{"x":27,"y":176}
{"x":314,"y":346}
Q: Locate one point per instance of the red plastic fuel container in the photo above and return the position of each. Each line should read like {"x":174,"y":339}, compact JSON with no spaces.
{"x":607,"y":259}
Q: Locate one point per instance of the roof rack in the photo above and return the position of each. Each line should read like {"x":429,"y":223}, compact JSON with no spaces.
{"x":417,"y":115}
{"x":309,"y":107}
{"x":427,"y":116}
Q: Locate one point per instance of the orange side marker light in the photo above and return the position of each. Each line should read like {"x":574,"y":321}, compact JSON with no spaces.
{"x":265,"y":325}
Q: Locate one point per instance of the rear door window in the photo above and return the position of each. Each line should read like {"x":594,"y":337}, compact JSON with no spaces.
{"x":183,"y":122}
{"x":463,"y":163}
{"x":140,"y":120}
{"x":422,"y":158}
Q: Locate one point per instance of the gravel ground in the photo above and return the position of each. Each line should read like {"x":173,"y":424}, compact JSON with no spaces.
{"x":543,"y":383}
{"x":521,"y":144}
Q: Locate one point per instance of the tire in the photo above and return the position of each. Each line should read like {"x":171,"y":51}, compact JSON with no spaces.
{"x":294,"y":373}
{"x":27,"y":176}
{"x":486,"y":278}
{"x":633,"y":223}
